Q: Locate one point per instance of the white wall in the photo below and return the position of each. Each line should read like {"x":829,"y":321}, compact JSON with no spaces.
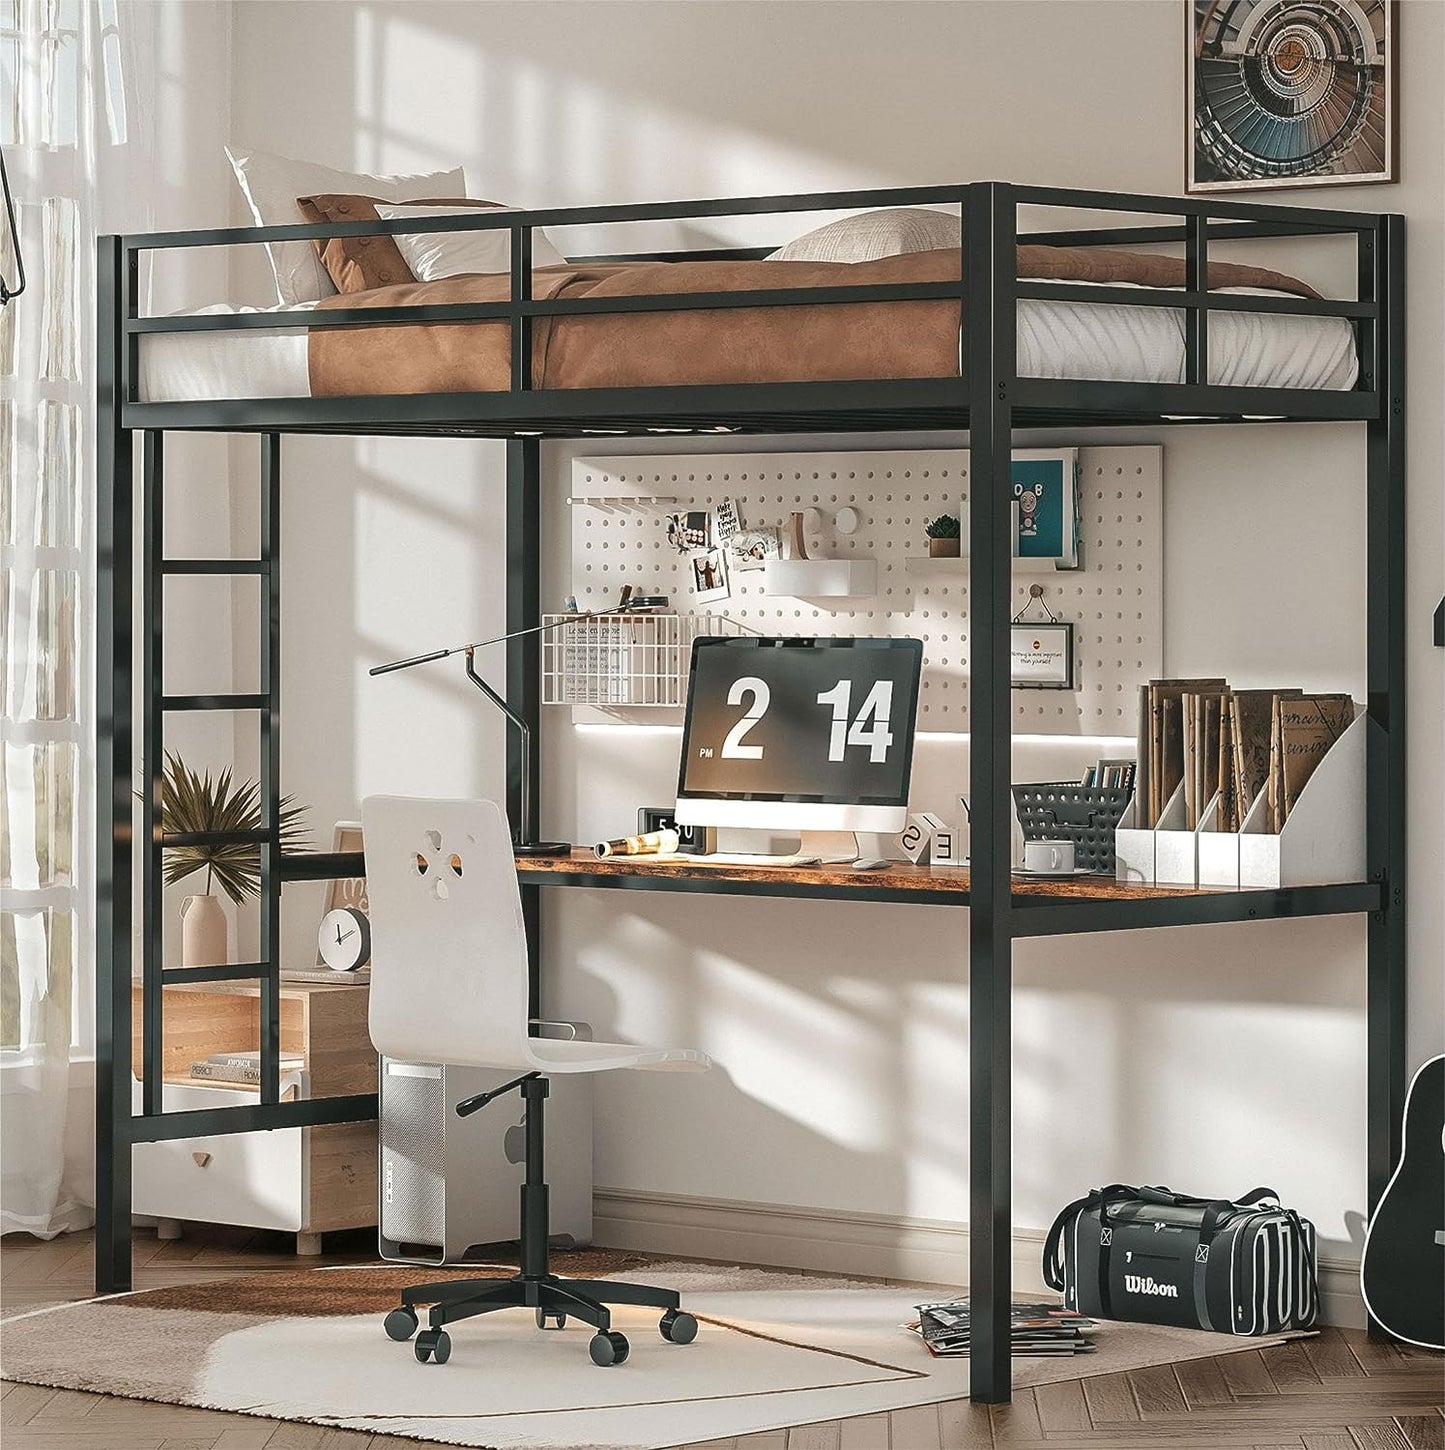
{"x":1210,"y":1058}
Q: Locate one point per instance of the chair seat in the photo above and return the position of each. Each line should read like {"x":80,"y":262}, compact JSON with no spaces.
{"x":569,"y":1055}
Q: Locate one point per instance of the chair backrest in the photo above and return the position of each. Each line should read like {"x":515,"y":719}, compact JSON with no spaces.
{"x":448,"y":943}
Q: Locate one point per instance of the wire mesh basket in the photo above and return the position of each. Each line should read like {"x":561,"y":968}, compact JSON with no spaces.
{"x":1066,"y":811}
{"x":623,"y":659}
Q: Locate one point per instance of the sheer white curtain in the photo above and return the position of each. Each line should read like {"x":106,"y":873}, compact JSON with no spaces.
{"x":75,"y":78}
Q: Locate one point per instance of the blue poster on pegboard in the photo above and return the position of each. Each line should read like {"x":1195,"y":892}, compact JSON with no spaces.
{"x":1045,"y":493}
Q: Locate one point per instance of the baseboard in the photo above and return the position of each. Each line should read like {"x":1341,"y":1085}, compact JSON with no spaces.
{"x":880,"y":1246}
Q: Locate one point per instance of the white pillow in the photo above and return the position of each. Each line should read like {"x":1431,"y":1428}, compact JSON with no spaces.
{"x":874,"y":234}
{"x":432,"y":255}
{"x":271,"y":185}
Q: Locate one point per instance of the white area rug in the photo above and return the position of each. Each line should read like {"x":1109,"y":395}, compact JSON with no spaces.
{"x":773,"y":1350}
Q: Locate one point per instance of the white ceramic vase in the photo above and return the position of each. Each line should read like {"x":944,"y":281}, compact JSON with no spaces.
{"x":203,"y":932}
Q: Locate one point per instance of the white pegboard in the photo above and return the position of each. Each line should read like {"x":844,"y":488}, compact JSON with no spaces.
{"x":620,"y":506}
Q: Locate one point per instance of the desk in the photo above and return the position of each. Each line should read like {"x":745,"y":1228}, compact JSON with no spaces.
{"x":1045,"y":907}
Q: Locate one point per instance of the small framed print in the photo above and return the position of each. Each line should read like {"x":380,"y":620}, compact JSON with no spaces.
{"x":1042,"y":656}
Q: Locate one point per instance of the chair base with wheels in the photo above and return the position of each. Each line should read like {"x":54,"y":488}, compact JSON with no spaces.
{"x":553,"y":1299}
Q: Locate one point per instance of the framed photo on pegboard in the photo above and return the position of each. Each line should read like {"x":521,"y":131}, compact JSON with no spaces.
{"x":1289,"y":93}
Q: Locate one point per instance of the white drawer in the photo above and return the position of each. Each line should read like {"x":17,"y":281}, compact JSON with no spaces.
{"x":252,"y":1179}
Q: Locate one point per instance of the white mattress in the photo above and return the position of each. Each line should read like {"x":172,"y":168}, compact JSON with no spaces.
{"x":1055,"y":340}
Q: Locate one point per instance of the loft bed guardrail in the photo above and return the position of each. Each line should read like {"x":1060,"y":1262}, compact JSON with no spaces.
{"x":986,"y":396}
{"x":991,"y":212}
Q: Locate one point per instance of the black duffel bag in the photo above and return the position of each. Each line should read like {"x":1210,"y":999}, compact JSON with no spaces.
{"x":1236,"y":1266}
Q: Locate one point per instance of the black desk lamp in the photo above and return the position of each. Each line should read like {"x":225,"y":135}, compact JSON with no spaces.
{"x":526,"y":843}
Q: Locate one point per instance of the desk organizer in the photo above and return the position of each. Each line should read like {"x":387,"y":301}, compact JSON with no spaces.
{"x":1065,"y":811}
{"x":1323,"y":841}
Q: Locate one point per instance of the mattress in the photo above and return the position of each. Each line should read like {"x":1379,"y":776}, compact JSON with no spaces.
{"x":1106,"y":342}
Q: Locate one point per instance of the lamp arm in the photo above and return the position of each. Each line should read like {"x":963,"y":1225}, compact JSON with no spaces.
{"x":524,"y":730}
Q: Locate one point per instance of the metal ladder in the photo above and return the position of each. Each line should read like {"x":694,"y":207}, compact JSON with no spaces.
{"x":156,"y":569}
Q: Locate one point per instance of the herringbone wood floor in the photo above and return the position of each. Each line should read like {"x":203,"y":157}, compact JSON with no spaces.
{"x":1341,"y":1391}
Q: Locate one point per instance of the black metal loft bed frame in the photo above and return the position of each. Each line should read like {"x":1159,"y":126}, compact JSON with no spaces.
{"x":988,"y":398}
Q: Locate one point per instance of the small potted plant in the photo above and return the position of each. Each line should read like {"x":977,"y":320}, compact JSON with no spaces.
{"x":942,"y":537}
{"x":192,"y":804}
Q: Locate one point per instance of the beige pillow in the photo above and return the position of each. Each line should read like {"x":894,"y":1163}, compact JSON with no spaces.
{"x":874,"y":234}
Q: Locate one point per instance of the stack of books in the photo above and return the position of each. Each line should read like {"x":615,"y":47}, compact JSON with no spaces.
{"x":241,"y":1067}
{"x":1047,"y":1330}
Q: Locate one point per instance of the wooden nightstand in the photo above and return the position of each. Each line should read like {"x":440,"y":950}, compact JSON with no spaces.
{"x":301,"y":1180}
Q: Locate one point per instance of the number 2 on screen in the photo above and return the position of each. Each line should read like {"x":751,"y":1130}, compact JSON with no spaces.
{"x":732,"y":746}
{"x":869,"y":728}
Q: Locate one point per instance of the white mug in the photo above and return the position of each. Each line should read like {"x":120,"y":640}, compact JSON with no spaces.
{"x":1048,"y":856}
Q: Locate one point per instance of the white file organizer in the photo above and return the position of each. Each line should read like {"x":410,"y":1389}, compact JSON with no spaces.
{"x":1323,"y":840}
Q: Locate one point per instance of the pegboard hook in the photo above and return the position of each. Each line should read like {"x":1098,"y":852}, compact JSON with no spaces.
{"x":1036,"y":596}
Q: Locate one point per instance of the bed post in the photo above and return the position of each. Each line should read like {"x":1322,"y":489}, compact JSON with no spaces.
{"x":989,"y":228}
{"x":1384,"y":273}
{"x":115,"y":466}
{"x":524,"y":663}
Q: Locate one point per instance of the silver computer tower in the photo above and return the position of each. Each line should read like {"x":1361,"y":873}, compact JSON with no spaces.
{"x":448,"y":1183}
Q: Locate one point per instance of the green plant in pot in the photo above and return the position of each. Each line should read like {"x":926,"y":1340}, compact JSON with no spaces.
{"x":943,"y":535}
{"x":192,"y":803}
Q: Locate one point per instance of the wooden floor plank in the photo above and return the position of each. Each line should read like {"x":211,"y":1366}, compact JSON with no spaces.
{"x":864,"y":1432}
{"x":1202,"y":1383}
{"x":1330,"y":1355}
{"x":1245,"y":1373}
{"x":1062,"y":1409}
{"x":1290,"y":1368}
{"x":1331,"y":1440}
{"x":826,"y":1435}
{"x":1156,"y":1391}
{"x":913,"y":1428}
{"x":23,"y":1404}
{"x":1379,"y":1435}
{"x":767,"y":1440}
{"x":1110,"y":1400}
{"x":962,"y":1425}
{"x":1016,"y":1423}
{"x":1375,"y":1354}
{"x":1423,"y":1432}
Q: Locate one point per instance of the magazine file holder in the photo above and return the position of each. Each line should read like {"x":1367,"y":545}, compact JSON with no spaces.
{"x":1218,"y":850}
{"x":1323,"y":840}
{"x":1176,"y":856}
{"x":1133,"y":847}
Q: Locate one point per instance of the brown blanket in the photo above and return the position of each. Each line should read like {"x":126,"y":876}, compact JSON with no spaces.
{"x":655,"y":349}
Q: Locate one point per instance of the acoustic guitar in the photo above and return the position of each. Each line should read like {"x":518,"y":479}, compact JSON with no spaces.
{"x":1402,"y":1271}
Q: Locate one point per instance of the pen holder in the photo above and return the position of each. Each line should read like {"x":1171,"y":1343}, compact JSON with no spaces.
{"x":1066,"y":811}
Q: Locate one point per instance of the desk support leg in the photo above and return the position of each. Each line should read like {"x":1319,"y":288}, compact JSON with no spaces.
{"x":524,"y":668}
{"x":989,"y":332}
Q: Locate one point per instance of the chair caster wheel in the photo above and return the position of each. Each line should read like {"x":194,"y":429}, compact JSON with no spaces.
{"x":400,"y":1324}
{"x":678,"y":1327}
{"x":433,"y":1344}
{"x":609,"y":1348}
{"x":551,"y":1319}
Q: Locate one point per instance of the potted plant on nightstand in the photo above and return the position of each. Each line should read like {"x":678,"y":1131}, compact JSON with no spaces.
{"x":942,"y":537}
{"x":192,"y":804}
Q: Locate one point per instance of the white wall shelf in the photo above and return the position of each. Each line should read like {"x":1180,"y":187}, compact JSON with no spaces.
{"x":821,"y":578}
{"x":927,"y":564}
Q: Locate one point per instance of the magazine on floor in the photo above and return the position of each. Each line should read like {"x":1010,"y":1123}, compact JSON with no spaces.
{"x":1036,"y":1329}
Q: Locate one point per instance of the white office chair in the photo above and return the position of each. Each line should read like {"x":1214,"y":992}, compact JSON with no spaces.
{"x":449,"y":985}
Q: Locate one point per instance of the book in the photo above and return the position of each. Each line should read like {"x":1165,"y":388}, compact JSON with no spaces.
{"x":359,"y":978}
{"x":248,"y":1075}
{"x":1251,"y":714}
{"x":1308,"y":726}
{"x":249,"y":1058}
{"x":1166,"y":738}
